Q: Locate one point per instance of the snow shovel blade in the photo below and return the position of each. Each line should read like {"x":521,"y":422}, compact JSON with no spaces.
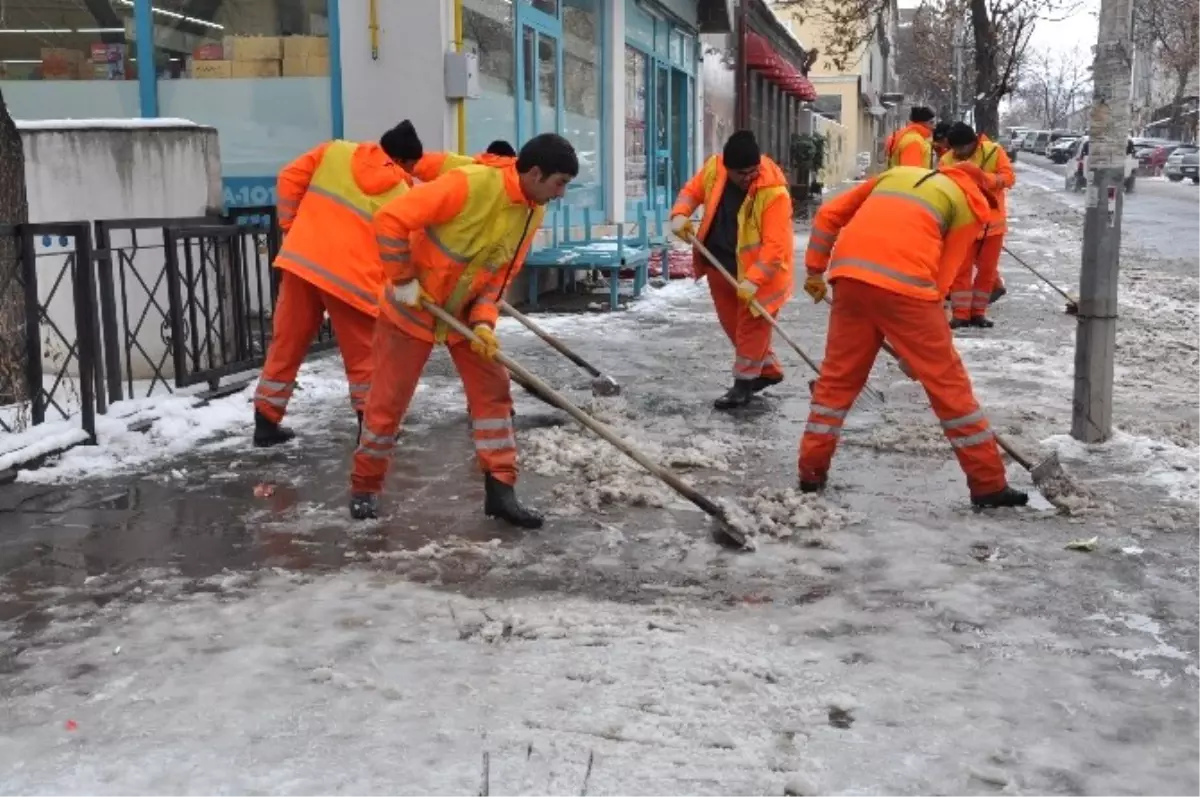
{"x":1049,"y":473}
{"x":605,"y":385}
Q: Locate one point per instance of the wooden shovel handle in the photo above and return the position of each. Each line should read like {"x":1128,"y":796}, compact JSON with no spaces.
{"x":554,"y":342}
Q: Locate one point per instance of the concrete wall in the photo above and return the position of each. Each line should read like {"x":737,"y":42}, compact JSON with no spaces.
{"x":85,"y":170}
{"x":406,"y":80}
{"x":839,"y":150}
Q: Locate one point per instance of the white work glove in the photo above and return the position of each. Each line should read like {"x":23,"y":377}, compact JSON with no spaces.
{"x":408,"y":293}
{"x":683,"y":229}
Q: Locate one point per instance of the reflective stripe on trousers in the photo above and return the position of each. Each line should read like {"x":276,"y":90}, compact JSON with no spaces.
{"x":825,"y":420}
{"x":375,"y":445}
{"x":493,"y":434}
{"x":274,"y":393}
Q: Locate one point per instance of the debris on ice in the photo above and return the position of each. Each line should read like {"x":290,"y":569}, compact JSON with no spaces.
{"x":782,"y":512}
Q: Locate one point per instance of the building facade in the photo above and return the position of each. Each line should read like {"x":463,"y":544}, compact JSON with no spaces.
{"x":619,"y":78}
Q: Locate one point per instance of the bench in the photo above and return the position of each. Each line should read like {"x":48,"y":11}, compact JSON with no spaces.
{"x":607,"y":254}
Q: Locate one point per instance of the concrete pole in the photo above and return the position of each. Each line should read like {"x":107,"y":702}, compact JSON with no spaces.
{"x":958,"y":67}
{"x":1096,"y":327}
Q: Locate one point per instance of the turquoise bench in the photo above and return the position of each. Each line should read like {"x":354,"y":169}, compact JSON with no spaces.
{"x":607,"y":254}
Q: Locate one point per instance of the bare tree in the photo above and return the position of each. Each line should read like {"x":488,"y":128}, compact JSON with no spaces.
{"x":847,"y":27}
{"x":1171,"y":30}
{"x":925,"y":59}
{"x":14,"y":209}
{"x":1052,"y":84}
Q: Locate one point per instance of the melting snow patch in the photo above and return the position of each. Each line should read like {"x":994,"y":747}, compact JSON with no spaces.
{"x":781,"y":513}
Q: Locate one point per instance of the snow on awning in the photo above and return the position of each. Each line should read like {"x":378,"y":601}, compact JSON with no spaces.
{"x":761,"y":55}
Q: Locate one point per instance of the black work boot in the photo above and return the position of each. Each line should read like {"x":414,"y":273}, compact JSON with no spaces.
{"x":959,"y":323}
{"x":1006,"y":497}
{"x":811,"y":486}
{"x":501,"y":502}
{"x":267,"y":433}
{"x":737,"y":396}
{"x":997,"y":293}
{"x":761,"y":383}
{"x":982,"y":321}
{"x":364,"y":506}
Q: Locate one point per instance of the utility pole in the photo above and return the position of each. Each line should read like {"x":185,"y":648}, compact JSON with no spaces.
{"x":958,"y":67}
{"x":1096,"y":327}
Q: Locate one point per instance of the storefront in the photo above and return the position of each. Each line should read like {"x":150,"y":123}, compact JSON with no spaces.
{"x":276,"y":77}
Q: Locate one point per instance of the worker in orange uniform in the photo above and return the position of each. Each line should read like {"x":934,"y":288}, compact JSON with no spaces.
{"x":457,"y":242}
{"x":938,"y":140}
{"x":327,"y":201}
{"x":891,"y":247}
{"x":912,"y":145}
{"x":747,"y":226}
{"x":979,"y":274}
{"x":434,"y":164}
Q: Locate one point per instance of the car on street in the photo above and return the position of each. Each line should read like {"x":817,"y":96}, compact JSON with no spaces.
{"x":1060,"y":151}
{"x":1011,"y":139}
{"x":1152,"y":153}
{"x":1027,"y":140}
{"x":1040,"y":139}
{"x":1183,"y":162}
{"x":1055,"y":137}
{"x":1077,"y":177}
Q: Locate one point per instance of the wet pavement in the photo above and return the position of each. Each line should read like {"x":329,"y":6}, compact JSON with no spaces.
{"x":915,"y":556}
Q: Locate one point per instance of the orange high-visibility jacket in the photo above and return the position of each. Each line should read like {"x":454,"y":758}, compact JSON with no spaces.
{"x":465,"y":237}
{"x":327,"y":202}
{"x":994,"y":161}
{"x":766,"y":243}
{"x":910,"y":146}
{"x":434,"y":164}
{"x":906,"y":231}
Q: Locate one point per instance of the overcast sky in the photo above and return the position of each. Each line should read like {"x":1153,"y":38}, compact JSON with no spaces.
{"x":1076,"y":31}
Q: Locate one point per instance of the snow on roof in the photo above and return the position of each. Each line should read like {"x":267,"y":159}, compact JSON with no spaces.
{"x":92,"y":124}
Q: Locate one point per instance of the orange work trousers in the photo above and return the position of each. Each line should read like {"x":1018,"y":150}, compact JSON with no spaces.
{"x":299,"y":313}
{"x":749,"y":334}
{"x":971,"y":292}
{"x":399,"y":359}
{"x":861,"y":317}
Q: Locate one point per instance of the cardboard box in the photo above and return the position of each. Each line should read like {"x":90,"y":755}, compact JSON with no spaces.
{"x":310,"y":66}
{"x":305,"y":47}
{"x":209,"y":70}
{"x":209,"y":52}
{"x":253,"y":48}
{"x":256,"y":69}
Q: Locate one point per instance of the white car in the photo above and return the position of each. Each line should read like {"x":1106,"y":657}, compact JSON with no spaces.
{"x":1077,"y":166}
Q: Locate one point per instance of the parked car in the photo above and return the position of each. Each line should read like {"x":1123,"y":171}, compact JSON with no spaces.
{"x":1152,"y":153}
{"x":1060,"y":151}
{"x":1011,"y":140}
{"x":1027,"y":140}
{"x":1077,"y":178}
{"x":1055,"y":137}
{"x":1040,"y":139}
{"x":1183,"y":162}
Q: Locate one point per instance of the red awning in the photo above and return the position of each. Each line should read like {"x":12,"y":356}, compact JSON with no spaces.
{"x":761,"y":55}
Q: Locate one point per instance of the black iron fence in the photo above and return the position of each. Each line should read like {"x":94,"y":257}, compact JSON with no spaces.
{"x":157,"y":304}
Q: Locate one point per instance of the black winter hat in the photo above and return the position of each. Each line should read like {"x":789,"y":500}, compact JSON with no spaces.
{"x":402,"y":143}
{"x":741,"y":151}
{"x":921,"y":113}
{"x":940,"y":130}
{"x":960,"y":134}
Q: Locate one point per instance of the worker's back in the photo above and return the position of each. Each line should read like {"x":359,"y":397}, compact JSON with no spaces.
{"x":895,"y":237}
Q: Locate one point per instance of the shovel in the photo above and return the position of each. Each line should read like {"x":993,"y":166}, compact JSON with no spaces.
{"x":870,"y":391}
{"x":602,"y":384}
{"x":1048,"y":475}
{"x":1072,"y":302}
{"x":711,"y":508}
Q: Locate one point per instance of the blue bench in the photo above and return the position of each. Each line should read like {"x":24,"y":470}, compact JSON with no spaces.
{"x":607,"y":254}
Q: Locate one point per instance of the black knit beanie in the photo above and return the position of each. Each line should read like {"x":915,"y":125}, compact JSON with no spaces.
{"x":960,"y":134}
{"x":402,"y":143}
{"x":741,"y":151}
{"x":940,"y":130}
{"x":921,"y":113}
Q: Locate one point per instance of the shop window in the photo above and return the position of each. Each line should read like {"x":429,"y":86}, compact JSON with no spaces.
{"x":68,"y":60}
{"x":636,"y":128}
{"x":257,"y":70}
{"x":582,"y":81}
{"x":488,"y":32}
{"x":639,"y":25}
{"x":545,"y":6}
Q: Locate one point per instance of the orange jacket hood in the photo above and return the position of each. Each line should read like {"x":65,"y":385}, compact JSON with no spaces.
{"x":972,"y":180}
{"x":374,"y":172}
{"x":497,"y":161}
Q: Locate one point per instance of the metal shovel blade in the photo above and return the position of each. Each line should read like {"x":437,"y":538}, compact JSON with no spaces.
{"x":1049,"y":473}
{"x":605,"y":385}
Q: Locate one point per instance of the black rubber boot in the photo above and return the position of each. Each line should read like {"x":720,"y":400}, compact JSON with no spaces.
{"x":997,"y":293}
{"x":501,"y":502}
{"x":737,"y":396}
{"x":982,"y":321}
{"x":811,"y":487}
{"x":364,"y":506}
{"x":1006,"y":497}
{"x":959,"y":323}
{"x":267,"y":433}
{"x":761,"y":383}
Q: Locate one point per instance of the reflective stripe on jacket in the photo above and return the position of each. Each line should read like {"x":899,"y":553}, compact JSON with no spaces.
{"x":434,"y":164}
{"x":327,"y":202}
{"x":910,"y":146}
{"x":465,"y":237}
{"x":992,"y":158}
{"x":906,"y":231}
{"x":765,"y":240}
